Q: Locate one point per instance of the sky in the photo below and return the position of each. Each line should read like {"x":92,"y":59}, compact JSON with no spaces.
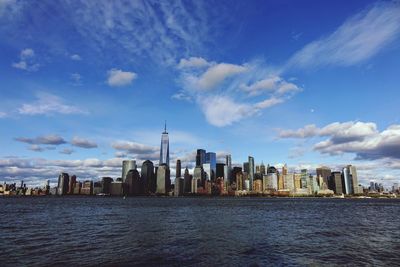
{"x":87,"y":84}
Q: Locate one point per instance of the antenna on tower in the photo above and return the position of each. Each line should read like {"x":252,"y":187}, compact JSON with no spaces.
{"x":165,"y":126}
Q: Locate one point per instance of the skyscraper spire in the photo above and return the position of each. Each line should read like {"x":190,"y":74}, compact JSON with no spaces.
{"x":165,"y":126}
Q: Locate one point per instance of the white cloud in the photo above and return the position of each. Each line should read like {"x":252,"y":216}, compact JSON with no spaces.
{"x":3,"y":114}
{"x":351,"y":130}
{"x":26,"y":60}
{"x":225,"y":92}
{"x":48,"y":104}
{"x":137,"y":150}
{"x":27,"y":53}
{"x":215,"y":75}
{"x":267,"y":84}
{"x":181,"y":95}
{"x":356,"y":40}
{"x":76,"y":57}
{"x":222,"y":110}
{"x":118,"y":77}
{"x":193,"y":62}
{"x":10,"y":8}
{"x":360,"y":138}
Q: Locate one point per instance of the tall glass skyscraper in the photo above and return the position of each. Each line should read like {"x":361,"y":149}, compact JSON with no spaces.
{"x":211,"y":158}
{"x":164,"y":150}
{"x":251,"y":173}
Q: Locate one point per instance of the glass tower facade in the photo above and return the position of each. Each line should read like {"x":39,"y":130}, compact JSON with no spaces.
{"x":251,"y":172}
{"x":211,"y":158}
{"x":164,"y":149}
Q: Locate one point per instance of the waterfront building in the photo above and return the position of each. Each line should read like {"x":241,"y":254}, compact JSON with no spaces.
{"x":288,"y":181}
{"x":97,"y":188}
{"x":207,"y":171}
{"x":105,"y":184}
{"x":251,"y":172}
{"x":198,"y":174}
{"x":354,"y":179}
{"x":63,"y":183}
{"x":284,"y":169}
{"x":87,"y":188}
{"x":258,"y":186}
{"x":127,"y":165}
{"x":350,"y":180}
{"x":200,"y":157}
{"x":246,"y":167}
{"x":77,"y":188}
{"x":271,"y":181}
{"x":220,"y":170}
{"x":281,"y":182}
{"x":179,"y":186}
{"x":312,"y":185}
{"x":72,"y":183}
{"x":211,"y":158}
{"x":239,"y":180}
{"x":134,"y":183}
{"x":195,"y":183}
{"x":187,"y":181}
{"x":164,"y":149}
{"x":117,"y":188}
{"x":228,"y":170}
{"x":325,"y":173}
{"x":297,"y":180}
{"x":178,"y":169}
{"x":304,"y":177}
{"x":163,"y":180}
{"x":148,"y":177}
{"x":262,"y":168}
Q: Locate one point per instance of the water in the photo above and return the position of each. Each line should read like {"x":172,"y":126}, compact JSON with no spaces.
{"x":89,"y":231}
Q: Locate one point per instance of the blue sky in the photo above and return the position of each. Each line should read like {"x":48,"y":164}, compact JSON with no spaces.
{"x":85,"y":84}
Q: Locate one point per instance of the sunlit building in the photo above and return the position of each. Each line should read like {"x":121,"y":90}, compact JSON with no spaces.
{"x":63,"y":183}
{"x":164,"y":149}
{"x":127,"y":165}
{"x":163,"y":180}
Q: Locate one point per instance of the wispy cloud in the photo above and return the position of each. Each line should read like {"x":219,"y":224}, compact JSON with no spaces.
{"x":357,"y":39}
{"x":227,"y":93}
{"x":67,"y":151}
{"x":48,"y":104}
{"x":76,"y":57}
{"x":26,"y":60}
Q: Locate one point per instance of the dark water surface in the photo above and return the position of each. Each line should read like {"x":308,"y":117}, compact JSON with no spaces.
{"x":87,"y":231}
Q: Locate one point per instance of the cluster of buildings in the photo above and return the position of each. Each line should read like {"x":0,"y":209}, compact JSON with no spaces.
{"x":208,"y":177}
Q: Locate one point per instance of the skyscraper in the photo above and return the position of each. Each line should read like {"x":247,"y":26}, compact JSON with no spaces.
{"x":63,"y":183}
{"x":163,"y":180}
{"x":127,"y":165}
{"x":164,"y":149}
{"x":350,"y":180}
{"x":251,"y":172}
{"x":200,"y":157}
{"x":228,"y":169}
{"x":148,"y":177}
{"x":178,"y":169}
{"x":347,"y":181}
{"x":211,"y":158}
{"x":325,"y":172}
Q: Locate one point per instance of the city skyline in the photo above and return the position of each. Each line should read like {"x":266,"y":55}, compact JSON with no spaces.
{"x":85,"y":86}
